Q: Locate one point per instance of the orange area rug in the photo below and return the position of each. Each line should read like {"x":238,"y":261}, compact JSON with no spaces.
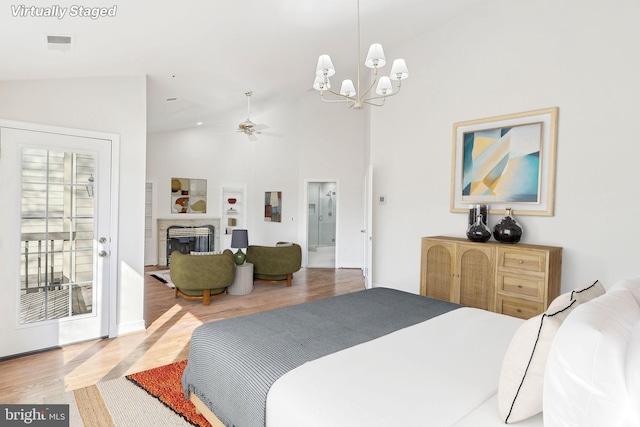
{"x":165,"y":384}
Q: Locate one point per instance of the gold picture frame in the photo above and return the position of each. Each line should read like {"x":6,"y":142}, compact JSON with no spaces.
{"x":506,"y":161}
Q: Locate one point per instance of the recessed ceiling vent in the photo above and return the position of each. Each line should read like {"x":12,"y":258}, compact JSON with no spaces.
{"x":59,"y":42}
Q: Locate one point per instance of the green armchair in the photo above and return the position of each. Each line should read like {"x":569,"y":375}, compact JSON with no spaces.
{"x":202,"y":276}
{"x":275,"y":263}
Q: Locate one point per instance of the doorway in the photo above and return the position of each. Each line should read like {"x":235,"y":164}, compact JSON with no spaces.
{"x":56,"y":249}
{"x":321,"y":224}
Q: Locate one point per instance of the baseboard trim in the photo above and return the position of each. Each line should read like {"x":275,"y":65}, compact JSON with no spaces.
{"x":127,"y":328}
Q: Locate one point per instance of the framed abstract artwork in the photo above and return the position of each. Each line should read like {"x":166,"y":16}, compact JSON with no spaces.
{"x":188,"y":195}
{"x":273,"y":206}
{"x":506,"y":161}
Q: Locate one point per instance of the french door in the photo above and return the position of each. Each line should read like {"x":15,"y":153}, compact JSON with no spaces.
{"x":55,"y":243}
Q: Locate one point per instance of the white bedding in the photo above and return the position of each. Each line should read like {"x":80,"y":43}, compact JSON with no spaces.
{"x":487,"y":415}
{"x":442,"y":372}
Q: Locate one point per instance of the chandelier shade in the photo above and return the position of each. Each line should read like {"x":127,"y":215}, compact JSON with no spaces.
{"x":399,"y":70}
{"x":384,"y":86}
{"x":375,"y":57}
{"x":319,"y":83}
{"x":352,"y":94}
{"x":325,"y":66}
{"x":347,"y":88}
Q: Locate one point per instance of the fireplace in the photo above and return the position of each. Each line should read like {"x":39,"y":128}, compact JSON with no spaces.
{"x":189,"y":239}
{"x":187,"y":236}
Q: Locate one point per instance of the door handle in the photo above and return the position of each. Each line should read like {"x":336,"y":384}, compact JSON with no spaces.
{"x":102,"y":254}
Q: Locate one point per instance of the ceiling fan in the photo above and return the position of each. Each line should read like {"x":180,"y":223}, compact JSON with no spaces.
{"x":248,"y":127}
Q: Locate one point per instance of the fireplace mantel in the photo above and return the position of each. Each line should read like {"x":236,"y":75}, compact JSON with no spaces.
{"x":165,"y":223}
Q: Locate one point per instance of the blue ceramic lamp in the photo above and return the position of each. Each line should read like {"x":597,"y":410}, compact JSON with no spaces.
{"x":239,"y":240}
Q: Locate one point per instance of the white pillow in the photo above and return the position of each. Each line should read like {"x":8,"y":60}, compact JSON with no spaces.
{"x":522,"y":377}
{"x":633,"y":373}
{"x":522,"y":374}
{"x":592,"y":372}
{"x":581,"y":294}
{"x":587,"y":293}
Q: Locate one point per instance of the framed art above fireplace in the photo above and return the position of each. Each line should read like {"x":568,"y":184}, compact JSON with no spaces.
{"x":188,"y":195}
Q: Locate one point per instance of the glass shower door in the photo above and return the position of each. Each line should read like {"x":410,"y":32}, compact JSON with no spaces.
{"x":321,"y":224}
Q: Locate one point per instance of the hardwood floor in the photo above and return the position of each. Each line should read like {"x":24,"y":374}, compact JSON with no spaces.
{"x":170,"y":321}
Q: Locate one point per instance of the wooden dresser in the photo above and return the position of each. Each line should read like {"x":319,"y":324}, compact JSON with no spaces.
{"x":515,"y":279}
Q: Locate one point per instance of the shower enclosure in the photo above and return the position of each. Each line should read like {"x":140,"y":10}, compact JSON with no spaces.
{"x":321,"y":224}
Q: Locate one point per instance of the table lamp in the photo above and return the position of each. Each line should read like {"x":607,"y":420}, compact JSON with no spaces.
{"x":239,"y":239}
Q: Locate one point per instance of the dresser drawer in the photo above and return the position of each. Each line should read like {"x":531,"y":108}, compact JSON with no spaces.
{"x":528,"y":287}
{"x":517,"y":307}
{"x":523,"y":260}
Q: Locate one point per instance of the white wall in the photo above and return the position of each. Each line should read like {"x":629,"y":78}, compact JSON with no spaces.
{"x":114,"y":105}
{"x":511,"y":57}
{"x":333,"y":141}
{"x":308,"y":140}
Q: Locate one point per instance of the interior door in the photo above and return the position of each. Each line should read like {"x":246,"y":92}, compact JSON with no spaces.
{"x":55,"y":243}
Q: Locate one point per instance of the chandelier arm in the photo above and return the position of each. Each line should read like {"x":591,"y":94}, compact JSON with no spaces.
{"x":345,"y":99}
{"x":368,"y":101}
{"x":379,"y":97}
{"x":383,"y":96}
{"x":340,"y":95}
{"x":364,"y":94}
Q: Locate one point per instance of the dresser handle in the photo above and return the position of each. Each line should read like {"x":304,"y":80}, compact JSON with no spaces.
{"x":521,"y":262}
{"x":519,"y":310}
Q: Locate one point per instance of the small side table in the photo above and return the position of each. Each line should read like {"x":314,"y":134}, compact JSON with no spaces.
{"x":243,"y":282}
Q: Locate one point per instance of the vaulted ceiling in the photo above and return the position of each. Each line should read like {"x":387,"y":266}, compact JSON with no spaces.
{"x":208,"y":53}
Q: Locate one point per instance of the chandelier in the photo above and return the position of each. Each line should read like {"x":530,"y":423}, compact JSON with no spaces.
{"x":354,"y":97}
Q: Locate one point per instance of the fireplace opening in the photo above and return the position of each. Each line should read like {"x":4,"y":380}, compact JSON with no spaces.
{"x":190,"y":239}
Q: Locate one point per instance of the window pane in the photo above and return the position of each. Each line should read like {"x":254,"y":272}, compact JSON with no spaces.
{"x":57,"y":235}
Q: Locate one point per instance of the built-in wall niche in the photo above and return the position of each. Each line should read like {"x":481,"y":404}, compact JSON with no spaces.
{"x":188,"y":195}
{"x":233,"y":211}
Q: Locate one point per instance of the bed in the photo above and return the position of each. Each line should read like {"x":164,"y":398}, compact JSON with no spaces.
{"x":383,"y":357}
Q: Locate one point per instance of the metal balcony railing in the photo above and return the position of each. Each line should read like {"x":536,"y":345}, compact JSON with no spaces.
{"x":49,"y":271}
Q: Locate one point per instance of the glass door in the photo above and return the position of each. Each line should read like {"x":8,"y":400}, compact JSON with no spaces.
{"x":56,"y":249}
{"x":321,"y":224}
{"x":56,"y":233}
